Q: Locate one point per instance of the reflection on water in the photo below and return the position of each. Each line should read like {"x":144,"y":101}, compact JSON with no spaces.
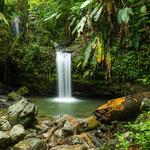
{"x":80,"y":108}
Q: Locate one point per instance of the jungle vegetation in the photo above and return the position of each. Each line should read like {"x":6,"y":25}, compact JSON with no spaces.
{"x":113,"y":40}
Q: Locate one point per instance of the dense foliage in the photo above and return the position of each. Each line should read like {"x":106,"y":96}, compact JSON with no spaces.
{"x":112,"y":38}
{"x":137,"y":134}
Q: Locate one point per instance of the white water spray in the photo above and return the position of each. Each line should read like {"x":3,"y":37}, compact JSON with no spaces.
{"x":63,"y":62}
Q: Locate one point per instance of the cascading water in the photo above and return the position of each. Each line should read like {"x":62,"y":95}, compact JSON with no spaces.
{"x":15,"y":25}
{"x":63,"y":62}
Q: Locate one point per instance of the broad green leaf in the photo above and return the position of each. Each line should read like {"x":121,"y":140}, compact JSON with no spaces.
{"x":124,"y":15}
{"x":86,"y":3}
{"x":143,"y":9}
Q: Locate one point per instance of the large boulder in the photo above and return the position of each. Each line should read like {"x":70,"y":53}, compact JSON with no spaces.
{"x":4,"y":139}
{"x":30,"y":144}
{"x":22,"y":113}
{"x":17,"y":133}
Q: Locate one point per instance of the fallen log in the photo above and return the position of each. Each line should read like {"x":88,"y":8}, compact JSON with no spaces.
{"x":122,"y":108}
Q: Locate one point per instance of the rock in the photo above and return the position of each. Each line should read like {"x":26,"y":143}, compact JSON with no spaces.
{"x":13,"y":96}
{"x":4,"y":139}
{"x":70,"y":147}
{"x":31,"y":135}
{"x":83,"y":138}
{"x":17,"y":133}
{"x":47,"y":122}
{"x":60,"y":133}
{"x":42,"y":128}
{"x":71,"y":124}
{"x":145,"y":103}
{"x":30,"y":144}
{"x":4,"y":103}
{"x":4,"y":124}
{"x":22,"y":113}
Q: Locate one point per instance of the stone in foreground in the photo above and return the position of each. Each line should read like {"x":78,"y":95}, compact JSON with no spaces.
{"x":22,"y":113}
{"x":30,"y":144}
{"x":17,"y":133}
{"x":4,"y":139}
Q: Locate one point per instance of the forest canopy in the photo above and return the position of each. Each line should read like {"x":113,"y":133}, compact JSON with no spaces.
{"x":110,"y":39}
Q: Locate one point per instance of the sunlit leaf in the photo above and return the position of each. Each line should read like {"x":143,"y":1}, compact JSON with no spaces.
{"x":124,"y":15}
{"x":86,"y":3}
{"x":94,"y":12}
{"x":143,"y":9}
{"x":80,"y":26}
{"x":2,"y":18}
{"x":96,"y":17}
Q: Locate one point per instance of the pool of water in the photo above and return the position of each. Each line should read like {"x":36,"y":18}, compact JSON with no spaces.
{"x":77,"y":107}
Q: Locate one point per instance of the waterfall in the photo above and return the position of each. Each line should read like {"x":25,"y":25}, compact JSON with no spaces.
{"x":15,"y":25}
{"x":63,"y":62}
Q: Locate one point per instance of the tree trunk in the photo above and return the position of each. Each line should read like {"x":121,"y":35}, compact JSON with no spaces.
{"x":122,"y":108}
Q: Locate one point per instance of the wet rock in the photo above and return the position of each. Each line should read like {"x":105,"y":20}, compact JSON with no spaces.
{"x":13,"y":96}
{"x":30,"y":144}
{"x":69,"y":126}
{"x":72,"y":124}
{"x":31,"y":135}
{"x":83,"y":138}
{"x":4,"y":124}
{"x":4,"y":139}
{"x":17,"y":133}
{"x":75,"y":140}
{"x":41,"y":128}
{"x":60,"y":133}
{"x":22,"y":112}
{"x":47,"y":122}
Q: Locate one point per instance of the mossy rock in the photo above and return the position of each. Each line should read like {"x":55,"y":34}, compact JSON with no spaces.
{"x":14,"y":96}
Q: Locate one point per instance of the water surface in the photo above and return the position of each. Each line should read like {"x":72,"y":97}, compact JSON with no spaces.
{"x":79,"y":108}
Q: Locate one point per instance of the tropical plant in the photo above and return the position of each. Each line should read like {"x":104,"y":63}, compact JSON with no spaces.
{"x":111,"y":22}
{"x":137,"y":135}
